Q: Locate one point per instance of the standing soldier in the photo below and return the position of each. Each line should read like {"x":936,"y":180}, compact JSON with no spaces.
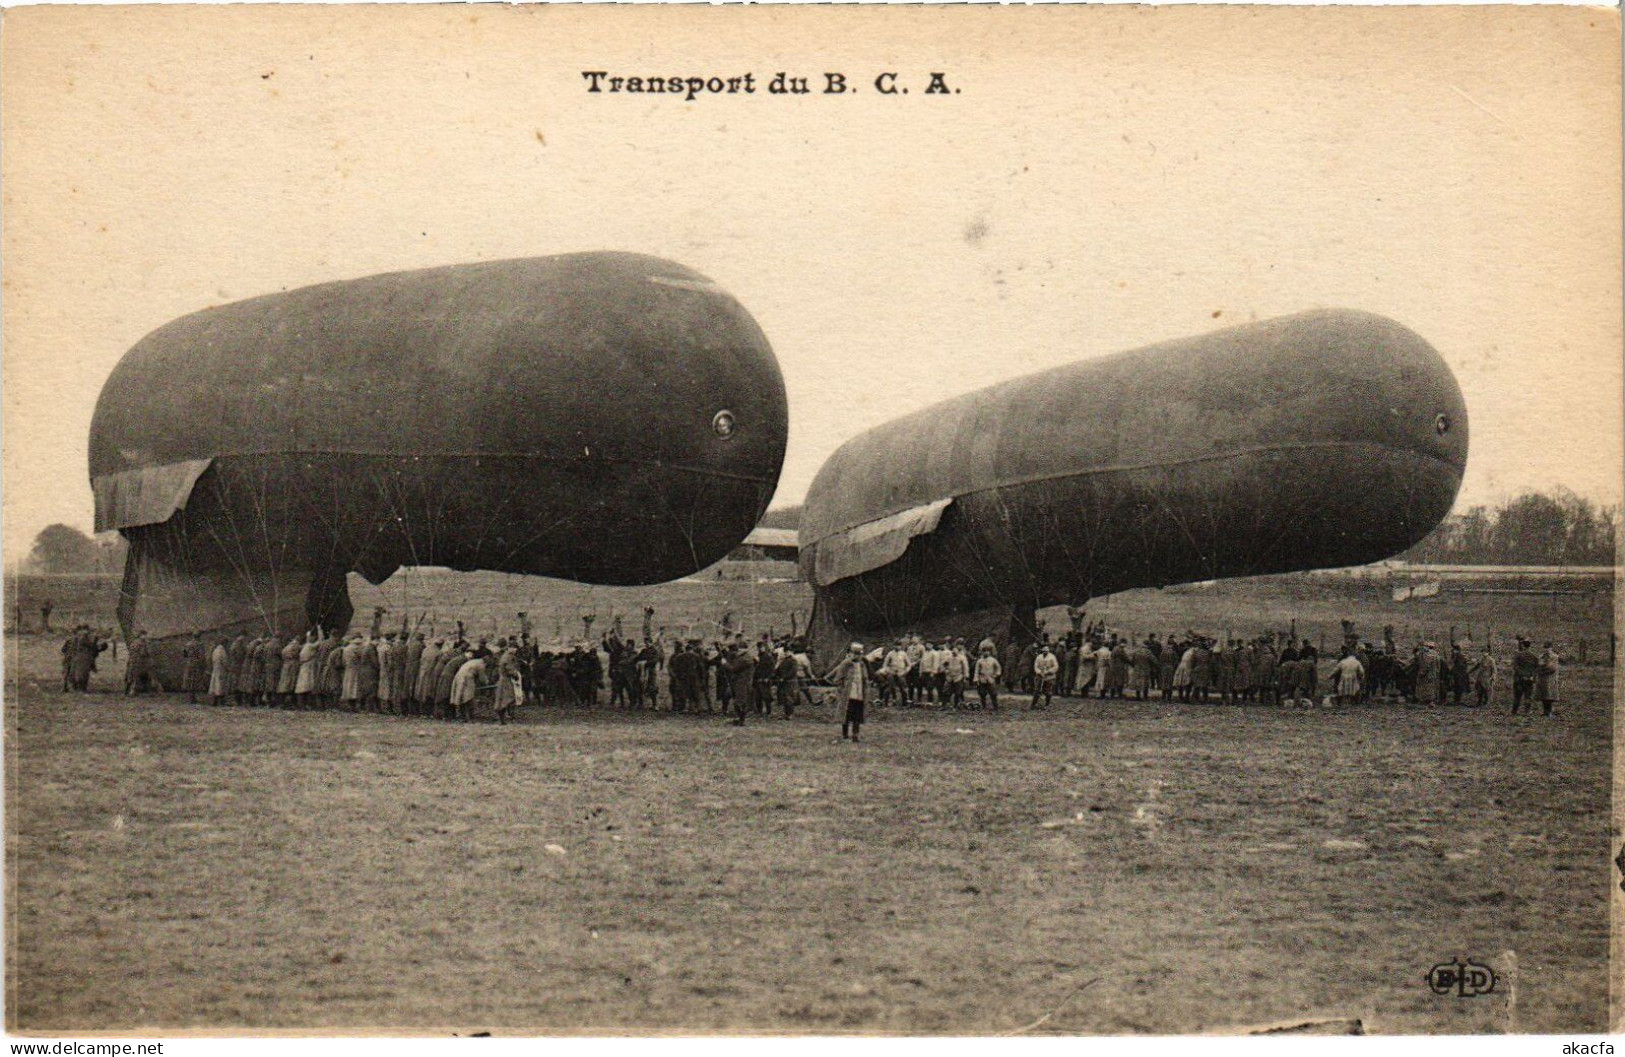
{"x":622,"y":673}
{"x":1460,"y":677}
{"x":955,"y":672}
{"x":1264,"y":674}
{"x":350,"y":665}
{"x":853,"y":676}
{"x":1546,"y":681}
{"x":988,"y":671}
{"x":236,"y":658}
{"x":330,"y":655}
{"x":271,"y":673}
{"x":87,"y":646}
{"x":465,"y":687}
{"x":423,"y":686}
{"x":219,"y":674}
{"x":912,"y":681}
{"x":1244,"y":663}
{"x":1045,"y":670}
{"x":592,"y":668}
{"x":1142,"y":670}
{"x":368,"y":686}
{"x":766,"y":665}
{"x":138,"y":666}
{"x":556,"y":681}
{"x":1202,"y":669}
{"x":1069,"y":666}
{"x":70,"y":646}
{"x":1085,"y":677}
{"x":386,"y":673}
{"x":1483,"y":673}
{"x":1350,"y":676}
{"x":896,"y":674}
{"x":1024,"y":668}
{"x":928,"y":680}
{"x":509,"y":686}
{"x":194,"y":667}
{"x":445,"y":675}
{"x":739,"y":668}
{"x":412,"y":664}
{"x":787,"y":681}
{"x":1224,"y":672}
{"x":1525,"y":666}
{"x":307,"y":684}
{"x":650,"y":660}
{"x":287,"y":683}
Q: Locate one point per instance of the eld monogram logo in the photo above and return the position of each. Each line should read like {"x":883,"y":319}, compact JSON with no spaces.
{"x":1463,"y":977}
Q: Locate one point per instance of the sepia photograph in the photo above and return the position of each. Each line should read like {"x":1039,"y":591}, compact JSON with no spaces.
{"x":811,"y":521}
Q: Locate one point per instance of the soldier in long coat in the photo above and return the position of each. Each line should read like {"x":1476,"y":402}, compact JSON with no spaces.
{"x":236,"y":657}
{"x":428,"y":654}
{"x":1427,"y":675}
{"x":1224,"y":671}
{"x":509,"y":688}
{"x":350,"y":691}
{"x":336,"y":671}
{"x":411,"y":664}
{"x":256,"y":670}
{"x":87,"y":645}
{"x":138,"y":666}
{"x":367,"y":685}
{"x":1546,"y":680}
{"x":1201,"y":670}
{"x":1243,"y":681}
{"x":384,"y":652}
{"x":1264,"y":675}
{"x":465,"y":687}
{"x":271,"y":672}
{"x":288,"y":682}
{"x":443,"y":683}
{"x":219,"y":674}
{"x":1483,"y":673}
{"x":194,"y":667}
{"x":1144,"y":665}
{"x":308,"y":684}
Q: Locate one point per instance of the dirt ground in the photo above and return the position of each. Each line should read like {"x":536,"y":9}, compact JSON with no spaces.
{"x":1103,"y":867}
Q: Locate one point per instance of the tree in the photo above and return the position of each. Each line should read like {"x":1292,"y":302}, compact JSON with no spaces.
{"x":1531,"y":530}
{"x":1536,"y":528}
{"x":1477,"y":530}
{"x":63,"y":549}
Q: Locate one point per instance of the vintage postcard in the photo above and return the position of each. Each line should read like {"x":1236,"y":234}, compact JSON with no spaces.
{"x":811,"y":521}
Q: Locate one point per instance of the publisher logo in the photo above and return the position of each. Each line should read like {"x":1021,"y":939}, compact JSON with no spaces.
{"x":1463,"y":978}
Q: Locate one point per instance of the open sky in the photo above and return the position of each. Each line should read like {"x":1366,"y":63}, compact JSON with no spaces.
{"x":1102,"y":179}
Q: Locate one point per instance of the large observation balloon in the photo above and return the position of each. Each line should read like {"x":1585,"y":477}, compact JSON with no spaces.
{"x":1319,"y":440}
{"x":603,"y":417}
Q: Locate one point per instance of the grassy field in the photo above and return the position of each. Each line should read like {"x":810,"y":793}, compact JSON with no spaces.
{"x":1102,"y":867}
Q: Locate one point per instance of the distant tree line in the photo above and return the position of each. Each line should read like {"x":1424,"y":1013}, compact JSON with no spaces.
{"x":63,"y":549}
{"x":1536,"y":528}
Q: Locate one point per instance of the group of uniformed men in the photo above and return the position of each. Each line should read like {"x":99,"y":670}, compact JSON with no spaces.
{"x":1267,"y":669}
{"x":454,"y":679}
{"x":451,"y":678}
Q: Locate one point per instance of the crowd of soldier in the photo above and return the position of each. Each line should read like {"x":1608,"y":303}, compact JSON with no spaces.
{"x":1193,"y":668}
{"x":454,"y":679}
{"x":457,"y":679}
